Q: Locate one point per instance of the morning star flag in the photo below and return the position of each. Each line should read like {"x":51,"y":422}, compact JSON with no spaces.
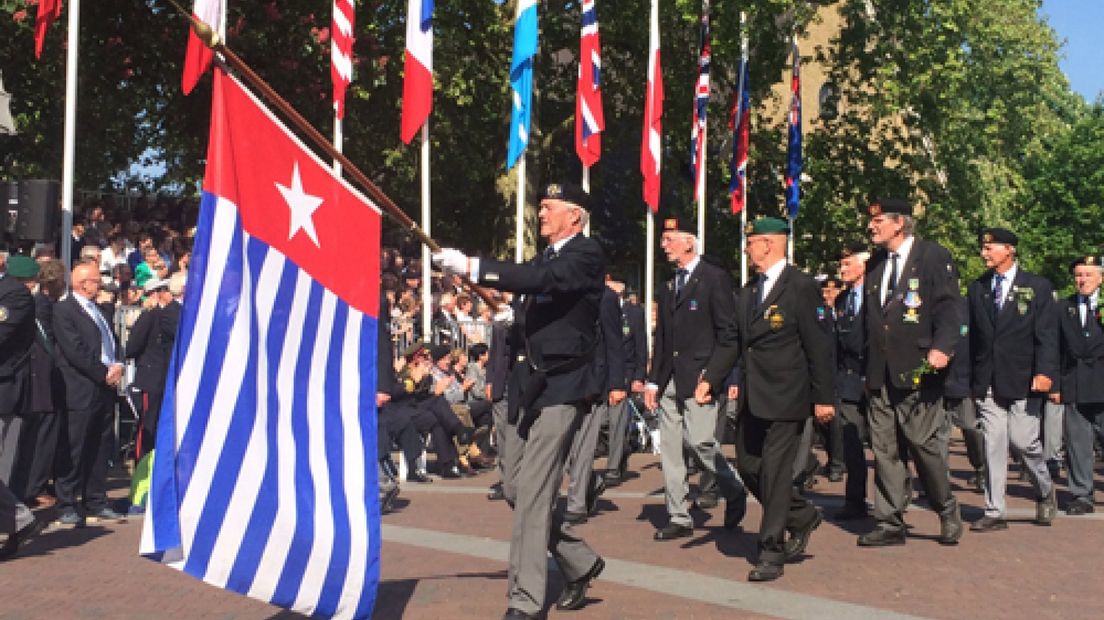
{"x":341,"y":51}
{"x":589,"y":120}
{"x":651,"y":148}
{"x":48,"y":12}
{"x":521,"y":78}
{"x":264,"y":480}
{"x":740,"y":122}
{"x":198,"y":56}
{"x":418,"y":83}
{"x":793,"y":152}
{"x":701,"y":104}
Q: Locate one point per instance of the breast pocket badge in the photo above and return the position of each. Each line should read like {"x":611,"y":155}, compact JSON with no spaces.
{"x":774,"y":318}
{"x":693,"y":305}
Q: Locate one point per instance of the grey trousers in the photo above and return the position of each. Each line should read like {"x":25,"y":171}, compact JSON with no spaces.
{"x":1082,"y":422}
{"x":699,"y":424}
{"x":1053,"y":414}
{"x":618,"y":416}
{"x":899,"y":417}
{"x":580,"y":460}
{"x":538,"y":527}
{"x":1007,"y":423}
{"x":507,"y":443}
{"x":14,"y":515}
{"x":10,"y":430}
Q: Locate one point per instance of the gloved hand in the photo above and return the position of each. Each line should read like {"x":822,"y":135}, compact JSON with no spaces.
{"x":452,"y":261}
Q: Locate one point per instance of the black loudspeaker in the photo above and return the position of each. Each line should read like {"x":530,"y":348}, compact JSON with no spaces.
{"x":10,"y":215}
{"x":39,"y":210}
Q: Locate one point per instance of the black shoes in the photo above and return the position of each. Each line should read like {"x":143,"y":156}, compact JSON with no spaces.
{"x":851,"y":511}
{"x":496,"y":492}
{"x":574,"y":593}
{"x":1079,"y":507}
{"x":451,"y":473}
{"x":735,"y":509}
{"x":17,"y":539}
{"x":387,"y":502}
{"x":673,"y":531}
{"x":707,"y":501}
{"x":574,"y":518}
{"x":795,"y":547}
{"x":1047,"y":508}
{"x":517,"y":614}
{"x":595,"y":489}
{"x":989,"y":524}
{"x":882,"y":537}
{"x":418,"y":476}
{"x":950,"y":528}
{"x":765,"y":571}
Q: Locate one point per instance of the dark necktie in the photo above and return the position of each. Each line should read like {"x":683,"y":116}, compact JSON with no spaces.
{"x":1085,"y":316}
{"x":549,"y":253}
{"x":762,"y":290}
{"x":998,"y":293}
{"x":680,"y":279}
{"x":851,"y":307}
{"x":892,"y":284}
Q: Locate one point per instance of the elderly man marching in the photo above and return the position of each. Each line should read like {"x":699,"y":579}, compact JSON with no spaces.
{"x":695,"y":312}
{"x":562,"y":289}
{"x":1014,"y":351}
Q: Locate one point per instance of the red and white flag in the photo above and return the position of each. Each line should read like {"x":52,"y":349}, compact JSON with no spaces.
{"x":198,"y":56}
{"x":48,"y":12}
{"x":341,"y":51}
{"x":651,"y":147}
{"x":418,"y":83}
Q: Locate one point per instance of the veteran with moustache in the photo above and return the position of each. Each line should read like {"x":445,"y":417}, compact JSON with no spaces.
{"x":913,"y":323}
{"x":562,"y":288}
{"x":784,"y":347}
{"x":695,"y":312}
{"x":1014,"y":351}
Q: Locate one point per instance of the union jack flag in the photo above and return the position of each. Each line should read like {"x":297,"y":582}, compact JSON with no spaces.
{"x":793,"y":154}
{"x":589,"y":120}
{"x":701,"y":103}
{"x":740,"y":123}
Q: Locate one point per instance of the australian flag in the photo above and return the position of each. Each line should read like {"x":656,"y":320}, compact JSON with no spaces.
{"x":740,"y":123}
{"x":264,"y":480}
{"x":701,"y":104}
{"x":793,"y":152}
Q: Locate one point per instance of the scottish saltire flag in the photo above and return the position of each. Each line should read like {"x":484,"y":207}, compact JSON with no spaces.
{"x":521,"y":79}
{"x":589,"y":119}
{"x":701,"y":104}
{"x":265,"y":481}
{"x":197,"y":57}
{"x":651,"y":148}
{"x":740,"y":123}
{"x":793,"y":150}
{"x":418,"y":70}
{"x":341,"y":51}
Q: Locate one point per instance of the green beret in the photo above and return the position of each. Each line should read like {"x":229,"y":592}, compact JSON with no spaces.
{"x":20,"y":266}
{"x":767,"y":226}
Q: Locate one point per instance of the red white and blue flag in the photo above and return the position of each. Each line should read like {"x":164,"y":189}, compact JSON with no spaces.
{"x":589,"y":119}
{"x":264,"y":480}
{"x":740,"y":123}
{"x":651,"y":148}
{"x":701,"y":104}
{"x":198,"y":56}
{"x":418,"y":70}
{"x":341,"y":51}
{"x":793,"y":147}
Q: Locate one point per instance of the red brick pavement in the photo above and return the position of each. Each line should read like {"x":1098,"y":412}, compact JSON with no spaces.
{"x":1027,"y":571}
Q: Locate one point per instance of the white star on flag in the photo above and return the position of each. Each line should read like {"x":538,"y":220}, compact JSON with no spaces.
{"x":302,"y":206}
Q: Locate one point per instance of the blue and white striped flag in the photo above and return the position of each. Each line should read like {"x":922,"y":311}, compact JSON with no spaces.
{"x":521,"y":79}
{"x":264,"y":480}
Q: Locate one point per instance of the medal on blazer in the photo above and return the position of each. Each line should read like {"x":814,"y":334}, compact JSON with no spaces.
{"x":3,"y":313}
{"x":912,"y":302}
{"x":693,"y":305}
{"x":1023,"y":296}
{"x":774,"y":317}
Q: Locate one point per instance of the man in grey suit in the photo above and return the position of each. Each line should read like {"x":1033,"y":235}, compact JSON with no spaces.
{"x":695,"y":313}
{"x":562,"y":289}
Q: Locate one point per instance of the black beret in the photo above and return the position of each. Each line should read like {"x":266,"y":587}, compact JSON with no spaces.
{"x":899,"y":206}
{"x":567,"y":192}
{"x":1089,"y":259}
{"x":673,"y":224}
{"x":999,"y":235}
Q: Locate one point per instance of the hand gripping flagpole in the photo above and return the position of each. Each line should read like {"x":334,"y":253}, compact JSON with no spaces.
{"x":212,"y":40}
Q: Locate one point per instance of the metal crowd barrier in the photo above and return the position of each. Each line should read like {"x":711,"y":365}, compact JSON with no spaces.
{"x":462,"y":336}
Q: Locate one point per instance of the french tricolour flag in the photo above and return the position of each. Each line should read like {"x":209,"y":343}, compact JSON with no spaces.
{"x":418,"y":81}
{"x":264,"y":480}
{"x":198,"y":56}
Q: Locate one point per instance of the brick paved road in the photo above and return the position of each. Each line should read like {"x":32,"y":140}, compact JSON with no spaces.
{"x":444,"y":549}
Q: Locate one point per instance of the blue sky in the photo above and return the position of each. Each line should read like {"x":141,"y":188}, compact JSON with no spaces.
{"x":1079,"y":22}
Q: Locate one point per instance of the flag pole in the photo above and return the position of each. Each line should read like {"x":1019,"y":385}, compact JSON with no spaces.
{"x":649,"y":278}
{"x":427,"y":267}
{"x":586,"y":188}
{"x":387,"y":206}
{"x":68,"y":157}
{"x":519,"y":215}
{"x":743,"y":212}
{"x":701,"y":195}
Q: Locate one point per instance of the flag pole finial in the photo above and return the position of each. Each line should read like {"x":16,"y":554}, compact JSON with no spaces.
{"x":203,"y":30}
